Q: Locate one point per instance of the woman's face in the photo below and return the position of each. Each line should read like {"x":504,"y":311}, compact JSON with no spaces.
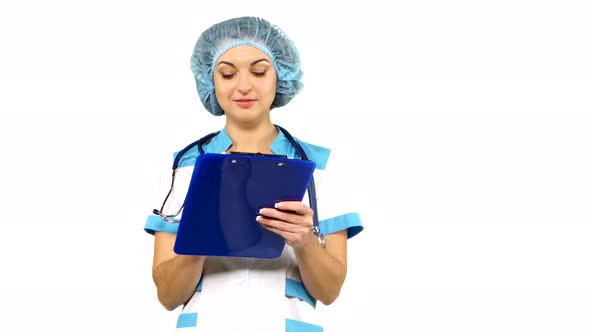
{"x":245,"y":83}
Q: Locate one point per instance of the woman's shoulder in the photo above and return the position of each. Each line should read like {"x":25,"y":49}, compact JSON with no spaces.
{"x":212,"y":142}
{"x":187,"y":156}
{"x":316,"y":153}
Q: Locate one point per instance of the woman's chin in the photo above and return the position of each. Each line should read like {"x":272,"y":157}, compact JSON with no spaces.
{"x":246,"y":116}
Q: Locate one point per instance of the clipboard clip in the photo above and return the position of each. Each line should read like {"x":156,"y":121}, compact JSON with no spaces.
{"x":259,"y":154}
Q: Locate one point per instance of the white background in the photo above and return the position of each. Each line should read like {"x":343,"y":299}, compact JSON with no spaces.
{"x":465,"y":126}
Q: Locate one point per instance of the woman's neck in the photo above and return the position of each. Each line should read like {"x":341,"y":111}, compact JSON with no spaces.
{"x":251,"y":138}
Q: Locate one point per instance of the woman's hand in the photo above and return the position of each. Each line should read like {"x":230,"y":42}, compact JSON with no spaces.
{"x":292,"y":220}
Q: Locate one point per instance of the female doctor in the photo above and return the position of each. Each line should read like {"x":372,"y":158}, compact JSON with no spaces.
{"x":244,"y":67}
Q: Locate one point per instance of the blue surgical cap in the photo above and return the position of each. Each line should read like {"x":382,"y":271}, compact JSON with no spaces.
{"x":246,"y":31}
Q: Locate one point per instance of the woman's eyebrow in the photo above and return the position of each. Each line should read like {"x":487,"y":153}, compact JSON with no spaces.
{"x":225,"y":63}
{"x":251,"y":64}
{"x":257,"y":61}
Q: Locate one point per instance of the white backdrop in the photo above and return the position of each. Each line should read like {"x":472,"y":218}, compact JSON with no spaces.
{"x":465,"y":126}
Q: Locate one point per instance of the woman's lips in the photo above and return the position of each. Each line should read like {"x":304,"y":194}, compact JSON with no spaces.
{"x":245,"y":103}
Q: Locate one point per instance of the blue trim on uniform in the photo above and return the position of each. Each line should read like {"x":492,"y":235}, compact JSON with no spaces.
{"x":187,"y":320}
{"x":218,"y":144}
{"x":188,"y":158}
{"x":319,"y":155}
{"x":200,"y":285}
{"x":296,"y":289}
{"x":299,"y":326}
{"x":350,"y":221}
{"x":282,"y":146}
{"x":157,"y":224}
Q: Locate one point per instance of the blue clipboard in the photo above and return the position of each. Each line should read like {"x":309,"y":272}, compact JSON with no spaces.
{"x":224,"y":196}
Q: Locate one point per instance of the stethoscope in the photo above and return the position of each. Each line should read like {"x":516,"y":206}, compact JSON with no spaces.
{"x":171,"y":218}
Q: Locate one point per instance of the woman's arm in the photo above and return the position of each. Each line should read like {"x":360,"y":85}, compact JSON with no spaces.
{"x":322,"y":270}
{"x":176,"y":276}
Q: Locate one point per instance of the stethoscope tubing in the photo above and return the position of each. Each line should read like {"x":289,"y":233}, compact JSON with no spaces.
{"x":298,"y":150}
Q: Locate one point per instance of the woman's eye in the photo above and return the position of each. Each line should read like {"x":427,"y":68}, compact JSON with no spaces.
{"x":227,"y":76}
{"x":258,"y":73}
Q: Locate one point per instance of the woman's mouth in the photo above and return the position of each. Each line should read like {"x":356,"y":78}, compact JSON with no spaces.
{"x":245,"y":102}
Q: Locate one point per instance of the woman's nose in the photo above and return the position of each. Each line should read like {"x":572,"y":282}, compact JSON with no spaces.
{"x":244,"y":84}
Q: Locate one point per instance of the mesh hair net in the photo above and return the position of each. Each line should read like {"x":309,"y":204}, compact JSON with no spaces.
{"x":248,"y":31}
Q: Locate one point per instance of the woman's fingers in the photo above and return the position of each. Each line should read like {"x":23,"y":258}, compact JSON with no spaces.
{"x":290,"y":220}
{"x":291,"y":212}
